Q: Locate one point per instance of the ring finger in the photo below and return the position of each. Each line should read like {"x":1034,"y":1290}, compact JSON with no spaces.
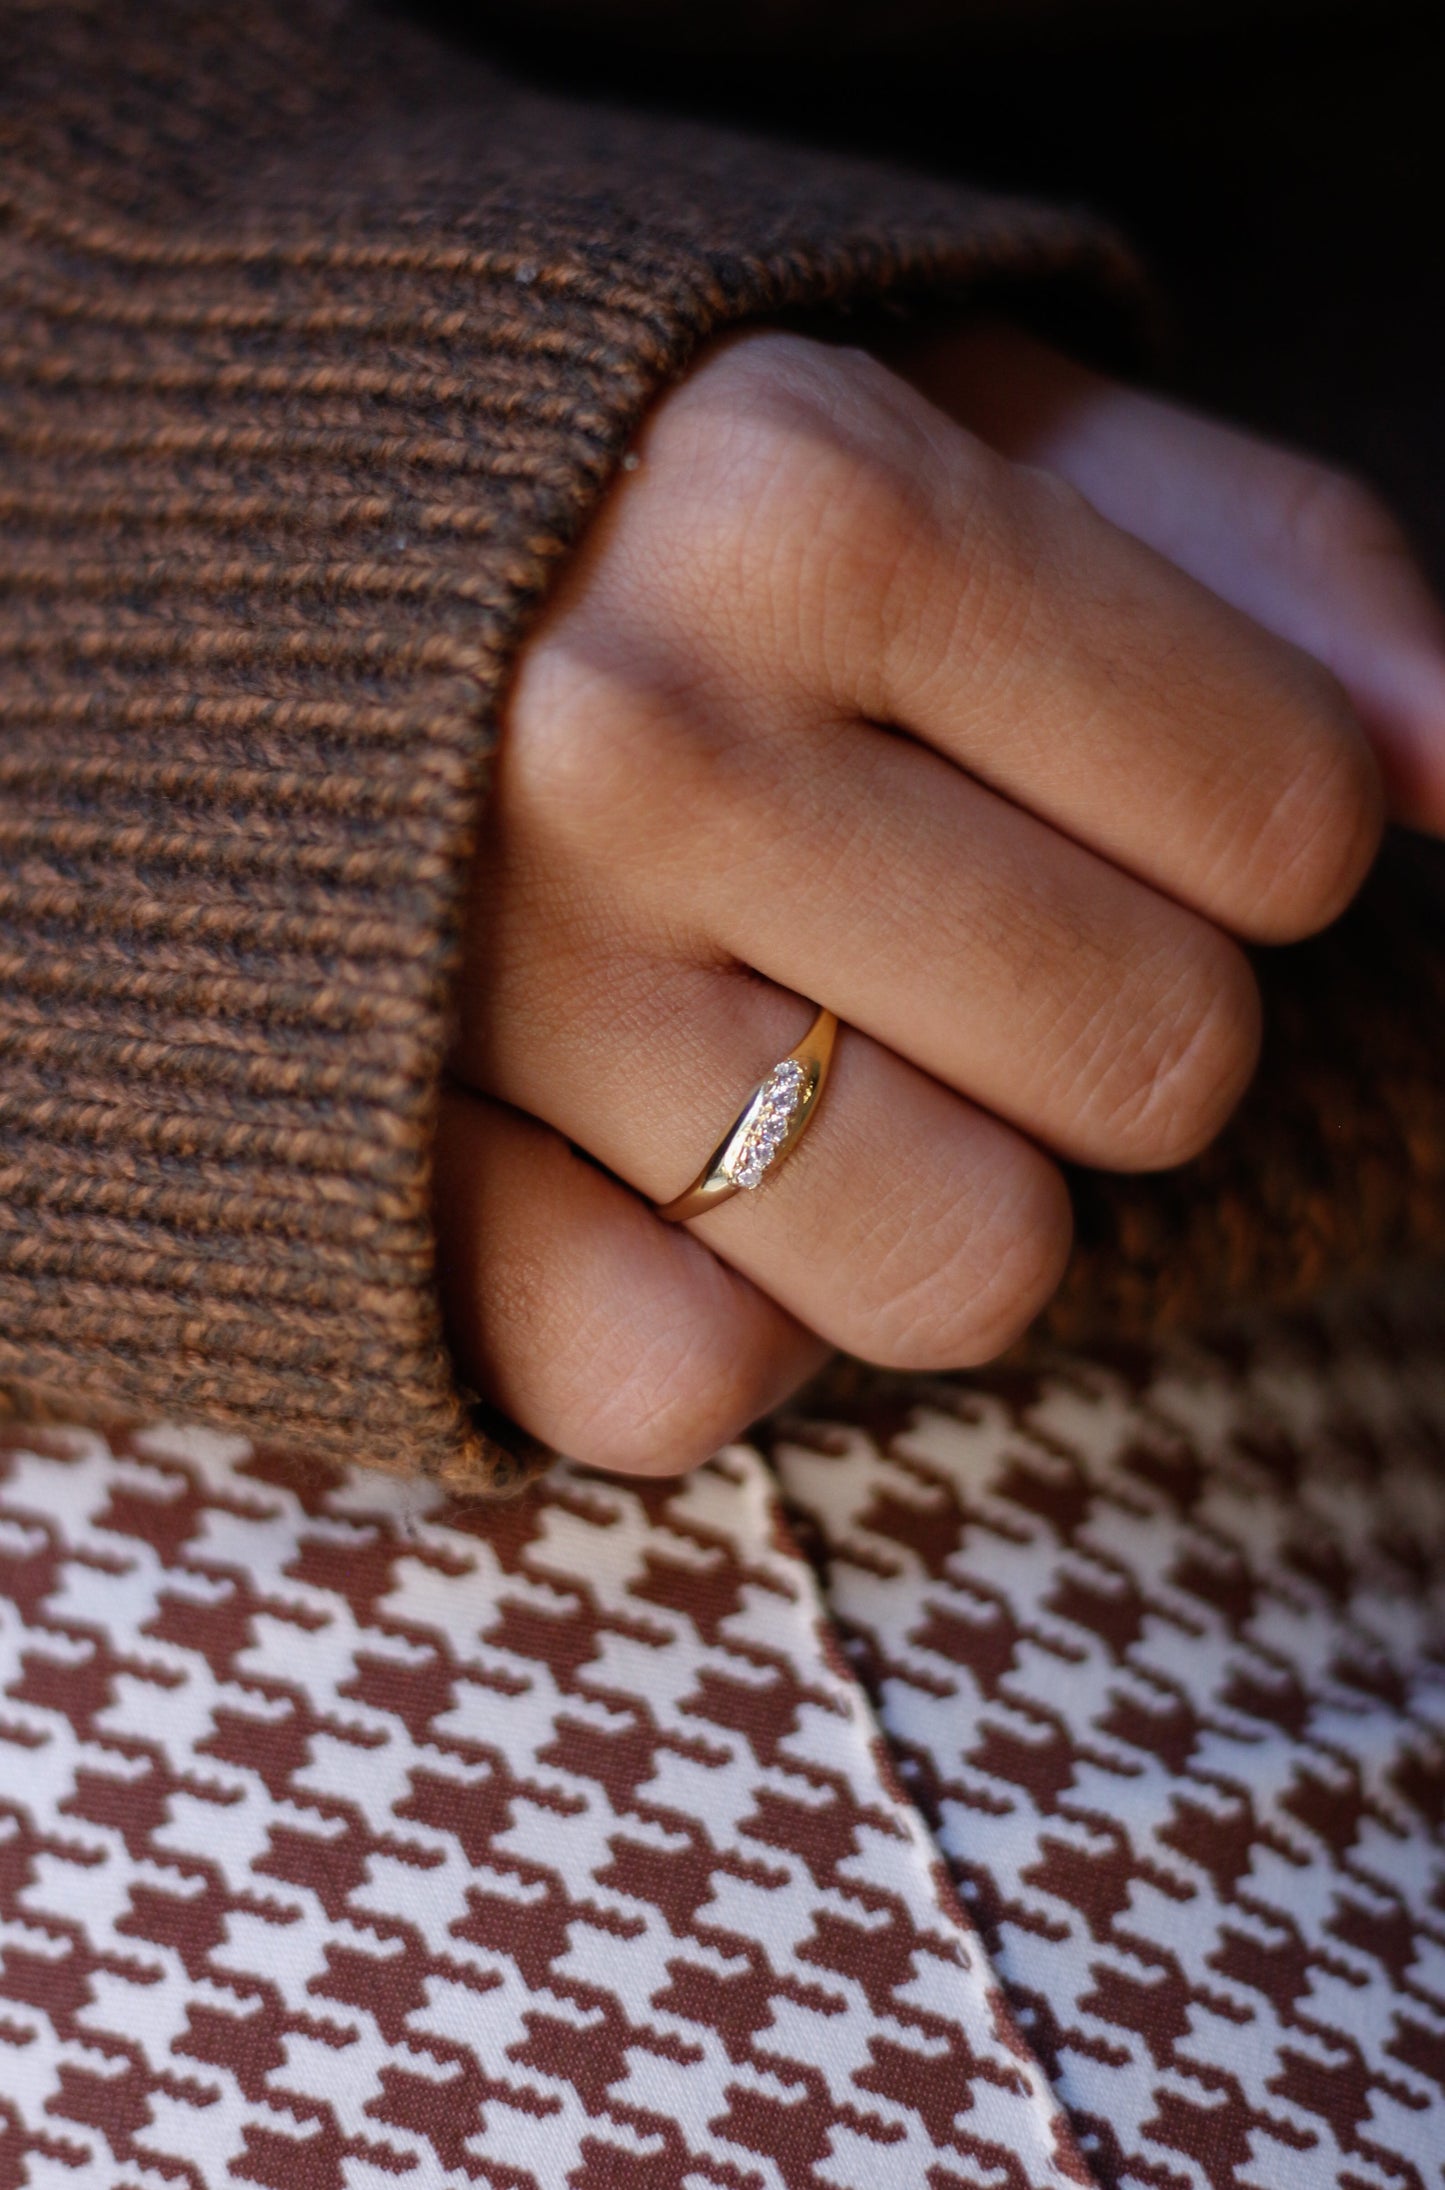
{"x":908,"y":1226}
{"x":850,"y":865}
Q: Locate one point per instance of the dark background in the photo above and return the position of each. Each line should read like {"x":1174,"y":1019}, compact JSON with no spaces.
{"x":1283,"y":178}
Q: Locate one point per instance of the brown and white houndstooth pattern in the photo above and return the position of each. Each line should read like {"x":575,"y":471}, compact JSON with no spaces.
{"x":349,"y":1843}
{"x":1162,"y":1659}
{"x":348,"y":1839}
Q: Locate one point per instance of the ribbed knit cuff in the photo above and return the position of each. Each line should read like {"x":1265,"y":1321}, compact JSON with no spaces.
{"x":320,"y":346}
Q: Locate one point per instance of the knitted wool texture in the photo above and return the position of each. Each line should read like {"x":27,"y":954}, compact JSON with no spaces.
{"x":320,"y":344}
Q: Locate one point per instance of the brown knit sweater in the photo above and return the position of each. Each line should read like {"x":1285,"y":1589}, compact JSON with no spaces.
{"x":320,"y":344}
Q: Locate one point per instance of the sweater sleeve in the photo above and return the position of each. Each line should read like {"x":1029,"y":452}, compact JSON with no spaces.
{"x":321,"y":343}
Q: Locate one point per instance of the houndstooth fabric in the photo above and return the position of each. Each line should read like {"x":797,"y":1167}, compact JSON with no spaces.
{"x":1160,"y":1649}
{"x":351,"y":1838}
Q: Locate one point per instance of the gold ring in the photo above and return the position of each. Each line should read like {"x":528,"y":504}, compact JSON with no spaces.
{"x":768,"y":1127}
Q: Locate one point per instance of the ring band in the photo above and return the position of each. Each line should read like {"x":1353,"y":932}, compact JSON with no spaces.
{"x":768,"y":1127}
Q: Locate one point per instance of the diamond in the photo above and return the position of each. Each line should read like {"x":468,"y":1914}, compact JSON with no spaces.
{"x":774,"y":1109}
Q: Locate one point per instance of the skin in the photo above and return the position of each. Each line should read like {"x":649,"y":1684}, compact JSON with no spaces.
{"x":988,"y":702}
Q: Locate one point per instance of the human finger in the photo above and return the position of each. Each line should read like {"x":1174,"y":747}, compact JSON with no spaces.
{"x":908,"y":1226}
{"x":615,"y":1339}
{"x":1307,"y":550}
{"x":894,"y":566}
{"x":1097,"y":1015}
{"x":636,"y":823}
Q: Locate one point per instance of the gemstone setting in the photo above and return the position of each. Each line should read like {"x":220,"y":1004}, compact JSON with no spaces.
{"x":770,"y":1118}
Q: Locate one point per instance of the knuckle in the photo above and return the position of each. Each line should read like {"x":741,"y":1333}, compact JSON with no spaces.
{"x":840,"y":528}
{"x":592,"y":751}
{"x":1167,"y":1093}
{"x":990,"y":586}
{"x":611,"y":763}
{"x":1326,"y":513}
{"x":811,"y":485}
{"x":768,"y":419}
{"x":955,"y":1295}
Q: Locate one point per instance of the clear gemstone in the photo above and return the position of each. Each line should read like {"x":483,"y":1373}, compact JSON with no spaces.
{"x":779,"y":1097}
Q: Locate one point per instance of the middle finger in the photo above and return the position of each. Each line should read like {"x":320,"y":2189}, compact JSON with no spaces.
{"x":1004,"y":959}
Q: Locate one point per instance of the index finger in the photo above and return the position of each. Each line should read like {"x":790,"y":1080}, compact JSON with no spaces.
{"x":987,"y":609}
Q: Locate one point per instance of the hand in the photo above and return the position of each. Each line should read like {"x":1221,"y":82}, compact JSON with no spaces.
{"x":1309,"y":552}
{"x":839,"y":704}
